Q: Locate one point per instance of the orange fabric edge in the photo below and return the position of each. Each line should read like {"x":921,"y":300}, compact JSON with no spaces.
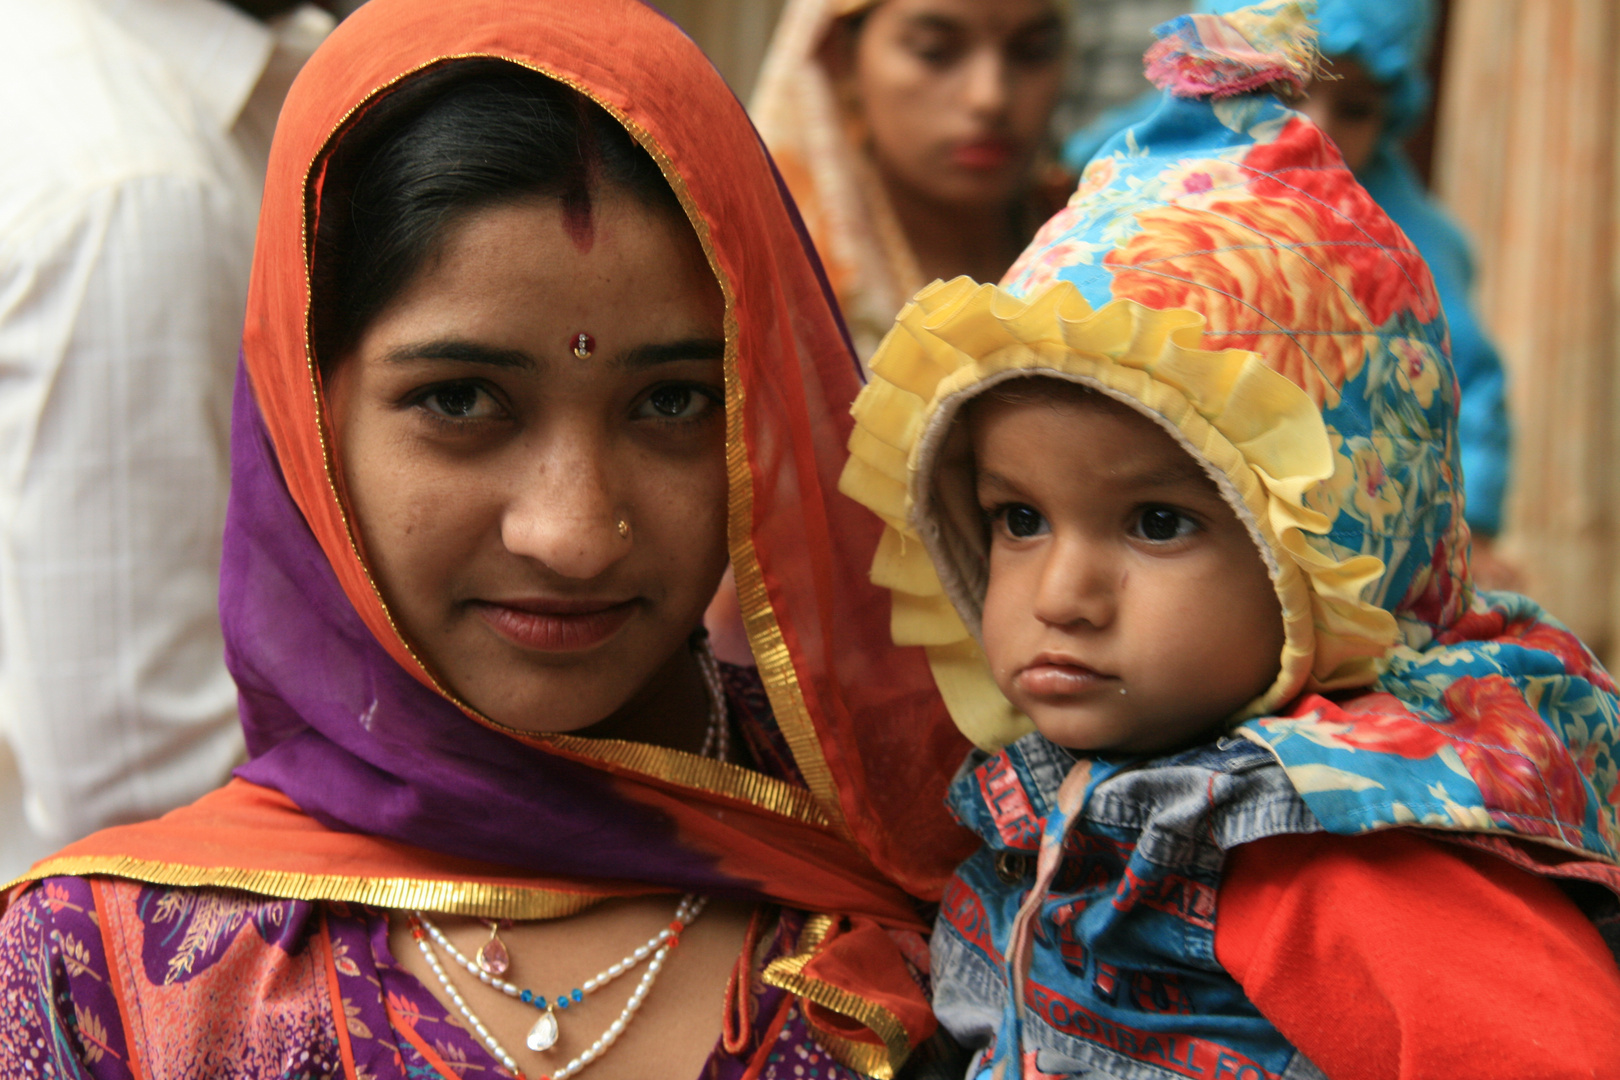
{"x":897,"y":1016}
{"x":255,"y":839}
{"x":340,"y":1015}
{"x":843,"y":960}
{"x":407,"y":1029}
{"x":1535,"y":856}
{"x":252,"y":826}
{"x":736,"y":1026}
{"x":768,"y":1040}
{"x":115,"y":976}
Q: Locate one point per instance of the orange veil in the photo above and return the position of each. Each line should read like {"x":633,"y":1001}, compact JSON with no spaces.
{"x":866,"y":838}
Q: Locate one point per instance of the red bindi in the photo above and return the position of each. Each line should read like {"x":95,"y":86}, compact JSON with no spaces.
{"x":584,"y":345}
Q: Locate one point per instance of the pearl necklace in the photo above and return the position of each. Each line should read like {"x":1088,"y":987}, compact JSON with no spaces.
{"x":543,"y":1035}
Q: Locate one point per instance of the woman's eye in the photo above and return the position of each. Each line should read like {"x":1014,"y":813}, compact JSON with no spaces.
{"x":1161,"y":524}
{"x":677,"y":403}
{"x":934,"y":49}
{"x":460,"y":401}
{"x":1036,"y":49}
{"x":1023,"y":521}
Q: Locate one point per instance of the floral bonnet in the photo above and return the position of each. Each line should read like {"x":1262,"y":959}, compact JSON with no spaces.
{"x":1220,"y":270}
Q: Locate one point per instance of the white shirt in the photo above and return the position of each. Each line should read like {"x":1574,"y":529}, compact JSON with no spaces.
{"x":133,"y":141}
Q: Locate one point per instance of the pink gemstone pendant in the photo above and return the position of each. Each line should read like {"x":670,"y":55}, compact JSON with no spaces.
{"x":492,"y":958}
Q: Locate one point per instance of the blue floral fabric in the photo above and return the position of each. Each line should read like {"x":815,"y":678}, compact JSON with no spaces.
{"x":1080,"y":939}
{"x":1481,"y":713}
{"x":1392,"y":41}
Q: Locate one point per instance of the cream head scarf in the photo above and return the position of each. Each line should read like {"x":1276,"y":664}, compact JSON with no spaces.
{"x":796,"y":109}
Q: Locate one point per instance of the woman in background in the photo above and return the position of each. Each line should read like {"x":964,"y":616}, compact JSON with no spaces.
{"x":910,"y":133}
{"x":532,"y":348}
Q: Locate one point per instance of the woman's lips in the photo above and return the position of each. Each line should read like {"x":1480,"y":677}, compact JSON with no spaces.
{"x":985,"y":154}
{"x":556,"y":625}
{"x":1060,"y":677}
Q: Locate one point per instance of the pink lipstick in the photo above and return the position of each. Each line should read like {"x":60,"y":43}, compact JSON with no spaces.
{"x":986,"y":154}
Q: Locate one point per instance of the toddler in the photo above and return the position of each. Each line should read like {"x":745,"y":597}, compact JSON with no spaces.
{"x":1266,"y":788}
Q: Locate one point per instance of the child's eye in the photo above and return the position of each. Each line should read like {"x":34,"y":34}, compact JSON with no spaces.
{"x":1161,"y":524}
{"x":460,"y":401}
{"x":1358,"y":112}
{"x":677,"y":401}
{"x":1022,"y":521}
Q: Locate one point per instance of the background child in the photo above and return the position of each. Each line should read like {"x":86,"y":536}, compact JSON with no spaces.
{"x":1371,"y":92}
{"x":1192,"y":479}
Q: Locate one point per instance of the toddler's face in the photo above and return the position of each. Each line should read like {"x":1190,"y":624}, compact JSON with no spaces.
{"x":1128,"y":608}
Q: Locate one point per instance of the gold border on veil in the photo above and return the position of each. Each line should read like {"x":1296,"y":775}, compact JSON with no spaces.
{"x":451,"y":897}
{"x":764,"y":632}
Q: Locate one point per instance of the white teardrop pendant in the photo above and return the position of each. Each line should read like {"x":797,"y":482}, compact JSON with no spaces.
{"x":543,"y":1036}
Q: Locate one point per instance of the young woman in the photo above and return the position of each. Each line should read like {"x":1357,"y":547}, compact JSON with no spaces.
{"x":532,"y":347}
{"x":910,"y":132}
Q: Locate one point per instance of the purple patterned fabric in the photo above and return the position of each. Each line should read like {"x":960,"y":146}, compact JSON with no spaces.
{"x":336,"y":725}
{"x":67,"y":961}
{"x":93,"y":974}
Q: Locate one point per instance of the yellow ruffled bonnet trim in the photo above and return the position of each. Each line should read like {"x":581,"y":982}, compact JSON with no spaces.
{"x":1260,"y":437}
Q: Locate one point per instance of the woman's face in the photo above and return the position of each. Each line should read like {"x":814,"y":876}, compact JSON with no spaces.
{"x":489,"y":468}
{"x":956,"y":95}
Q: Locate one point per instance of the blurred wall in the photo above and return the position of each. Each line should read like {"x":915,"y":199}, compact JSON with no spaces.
{"x":1528,"y":157}
{"x":734,"y":34}
{"x":1106,"y":41}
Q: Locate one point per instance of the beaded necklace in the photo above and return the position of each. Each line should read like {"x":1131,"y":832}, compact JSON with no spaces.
{"x":655,"y":950}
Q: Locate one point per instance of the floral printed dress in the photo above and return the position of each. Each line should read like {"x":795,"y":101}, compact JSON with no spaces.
{"x":116,"y":980}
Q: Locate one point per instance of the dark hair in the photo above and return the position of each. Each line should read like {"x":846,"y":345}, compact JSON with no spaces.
{"x":464,"y":136}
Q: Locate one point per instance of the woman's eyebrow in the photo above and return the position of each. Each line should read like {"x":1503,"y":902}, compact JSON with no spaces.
{"x":1042,"y":24}
{"x":644,"y":356}
{"x":463,"y":352}
{"x":930,"y":20}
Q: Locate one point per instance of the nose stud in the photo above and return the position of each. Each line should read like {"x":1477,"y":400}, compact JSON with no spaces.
{"x":624,"y":528}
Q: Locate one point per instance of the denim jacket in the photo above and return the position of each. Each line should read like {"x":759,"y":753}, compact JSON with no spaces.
{"x":1123,"y":980}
